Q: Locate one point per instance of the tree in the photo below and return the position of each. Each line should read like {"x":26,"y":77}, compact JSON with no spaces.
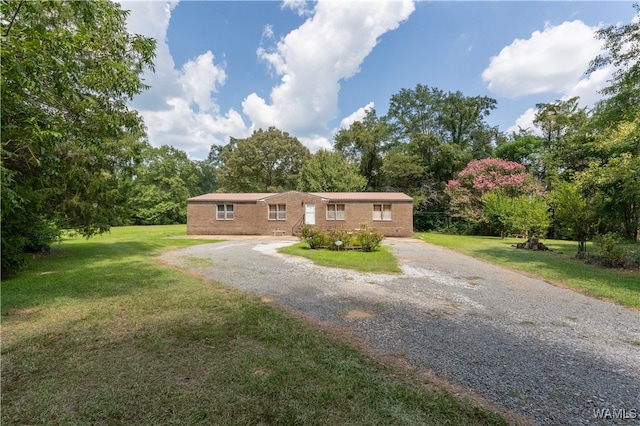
{"x":267,"y":161}
{"x":462,"y":118}
{"x":402,"y":170}
{"x":364,"y":143}
{"x":611,"y":183}
{"x":163,"y":182}
{"x":328,"y":172}
{"x":445,"y":130}
{"x":523,"y":147}
{"x":208,"y":170}
{"x":622,"y":50}
{"x":524,"y":214}
{"x":483,"y":176}
{"x":68,"y":71}
{"x":573,"y":215}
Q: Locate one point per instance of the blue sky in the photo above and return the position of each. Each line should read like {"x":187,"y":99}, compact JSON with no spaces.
{"x":310,"y":68}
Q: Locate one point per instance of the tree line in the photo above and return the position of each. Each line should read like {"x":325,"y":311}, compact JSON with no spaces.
{"x":75,"y":157}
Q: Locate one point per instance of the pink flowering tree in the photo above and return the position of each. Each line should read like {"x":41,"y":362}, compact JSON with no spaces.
{"x":482,"y":177}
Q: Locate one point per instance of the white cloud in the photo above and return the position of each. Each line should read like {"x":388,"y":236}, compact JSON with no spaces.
{"x":201,"y":77}
{"x":316,"y":142}
{"x":312,"y":60}
{"x":299,"y":6}
{"x":357,"y":115}
{"x":550,"y":61}
{"x":588,"y":88}
{"x":525,"y":122}
{"x":180,"y":110}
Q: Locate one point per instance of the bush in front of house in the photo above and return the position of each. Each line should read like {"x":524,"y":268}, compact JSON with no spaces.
{"x":315,"y":237}
{"x":365,"y":239}
{"x":336,"y":235}
{"x":368,"y":239}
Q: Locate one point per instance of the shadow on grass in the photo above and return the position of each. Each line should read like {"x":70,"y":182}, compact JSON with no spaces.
{"x":87,"y":271}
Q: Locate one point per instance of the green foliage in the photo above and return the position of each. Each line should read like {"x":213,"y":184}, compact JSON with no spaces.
{"x":335,"y":235}
{"x":365,"y":239}
{"x":313,"y":236}
{"x":402,"y":170}
{"x":525,"y":214}
{"x":329,"y":172}
{"x":611,"y":183}
{"x":524,"y":148}
{"x":364,"y":143}
{"x":433,"y":136}
{"x":481,"y":177}
{"x":164,"y":181}
{"x":368,"y":239}
{"x":613,"y":253}
{"x":621,"y":49}
{"x":267,"y":161}
{"x":68,"y":71}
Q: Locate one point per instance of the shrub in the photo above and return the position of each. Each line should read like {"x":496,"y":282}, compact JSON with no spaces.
{"x":335,"y":235}
{"x":613,"y":253}
{"x":315,"y":237}
{"x":368,"y":239}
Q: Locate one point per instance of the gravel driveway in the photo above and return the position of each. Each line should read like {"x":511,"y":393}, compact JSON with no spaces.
{"x":549,"y":354}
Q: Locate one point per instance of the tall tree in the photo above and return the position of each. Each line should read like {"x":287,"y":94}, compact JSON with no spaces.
{"x":68,"y":71}
{"x":566,"y":140}
{"x":364,"y":143}
{"x":327,"y":171}
{"x":622,"y":50}
{"x":446,"y":130}
{"x":611,"y":183}
{"x":462,"y":119}
{"x":163,"y":182}
{"x":267,"y":161}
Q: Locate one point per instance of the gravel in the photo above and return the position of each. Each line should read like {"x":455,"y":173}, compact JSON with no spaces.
{"x":549,"y":354}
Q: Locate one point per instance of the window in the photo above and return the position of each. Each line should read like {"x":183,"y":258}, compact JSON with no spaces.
{"x":277,"y":212}
{"x":225,"y":212}
{"x":335,"y":211}
{"x":382,"y":212}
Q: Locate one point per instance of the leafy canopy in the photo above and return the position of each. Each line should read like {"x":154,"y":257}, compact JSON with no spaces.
{"x":68,"y":71}
{"x":267,"y":161}
{"x":328,"y":172}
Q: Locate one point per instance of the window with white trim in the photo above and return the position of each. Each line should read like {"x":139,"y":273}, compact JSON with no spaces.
{"x":224,"y":212}
{"x":335,"y":211}
{"x":277,"y":212}
{"x":382,"y":212}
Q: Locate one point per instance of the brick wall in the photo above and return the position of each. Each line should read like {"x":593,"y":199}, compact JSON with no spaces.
{"x":251,"y":218}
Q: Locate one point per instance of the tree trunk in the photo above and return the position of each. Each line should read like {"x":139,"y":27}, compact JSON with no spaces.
{"x":582,"y":249}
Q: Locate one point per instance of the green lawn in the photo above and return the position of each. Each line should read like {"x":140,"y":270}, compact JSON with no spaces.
{"x":557,"y":265}
{"x":98,"y":332}
{"x":378,"y":261}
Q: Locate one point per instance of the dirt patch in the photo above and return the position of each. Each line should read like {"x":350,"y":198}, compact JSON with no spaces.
{"x":358,"y":314}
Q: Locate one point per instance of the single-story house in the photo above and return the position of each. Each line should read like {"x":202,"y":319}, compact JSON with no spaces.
{"x":391,"y":213}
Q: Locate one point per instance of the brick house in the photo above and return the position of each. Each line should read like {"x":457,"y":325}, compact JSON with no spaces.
{"x":285,"y":213}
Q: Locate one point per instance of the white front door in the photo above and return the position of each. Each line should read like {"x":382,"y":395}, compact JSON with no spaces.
{"x":310,"y":214}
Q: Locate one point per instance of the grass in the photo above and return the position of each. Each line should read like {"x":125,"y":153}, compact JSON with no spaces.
{"x":557,"y":265}
{"x":98,"y":332}
{"x":380,"y":260}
